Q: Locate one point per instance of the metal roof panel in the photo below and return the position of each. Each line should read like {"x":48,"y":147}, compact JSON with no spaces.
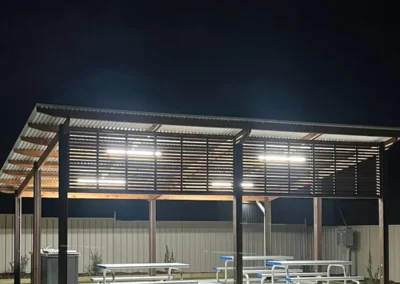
{"x":110,"y":125}
{"x":198,"y":130}
{"x":352,"y":138}
{"x":277,"y":134}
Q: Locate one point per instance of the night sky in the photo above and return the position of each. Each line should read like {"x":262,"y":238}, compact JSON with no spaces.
{"x":291,"y":60}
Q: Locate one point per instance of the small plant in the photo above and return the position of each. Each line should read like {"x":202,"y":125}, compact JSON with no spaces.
{"x":169,"y":256}
{"x":373,"y":278}
{"x":95,"y":259}
{"x":24,"y":264}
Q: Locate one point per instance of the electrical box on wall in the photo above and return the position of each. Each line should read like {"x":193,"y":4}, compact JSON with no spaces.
{"x":345,"y":237}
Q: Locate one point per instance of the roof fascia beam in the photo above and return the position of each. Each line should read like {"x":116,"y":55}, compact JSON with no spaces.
{"x":390,"y":142}
{"x":154,"y":127}
{"x":312,"y":136}
{"x":242,"y":136}
{"x":220,"y":123}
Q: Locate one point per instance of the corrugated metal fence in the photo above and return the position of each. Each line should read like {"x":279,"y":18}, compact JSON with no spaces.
{"x":197,"y":243}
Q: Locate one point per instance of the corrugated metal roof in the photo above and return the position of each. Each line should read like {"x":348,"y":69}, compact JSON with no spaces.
{"x":198,"y":130}
{"x":109,"y":125}
{"x":71,"y":110}
{"x":352,"y":138}
{"x":277,"y":134}
{"x":97,"y":118}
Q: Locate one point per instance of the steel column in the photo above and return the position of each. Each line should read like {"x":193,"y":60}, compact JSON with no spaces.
{"x":383,"y":244}
{"x":237,"y":212}
{"x":267,"y":227}
{"x":63,"y":204}
{"x":317,"y":229}
{"x":17,"y":240}
{"x":383,"y":221}
{"x":152,"y":234}
{"x":37,"y":215}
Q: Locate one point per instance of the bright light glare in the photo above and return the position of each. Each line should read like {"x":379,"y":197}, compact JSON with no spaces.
{"x":228,"y":184}
{"x":277,"y":158}
{"x":221,"y":184}
{"x":133,"y":152}
{"x":101,"y":181}
{"x":247,"y":184}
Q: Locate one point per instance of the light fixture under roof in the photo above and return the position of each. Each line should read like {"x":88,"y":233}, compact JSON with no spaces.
{"x":221,"y":184}
{"x":247,"y":184}
{"x":133,"y":152}
{"x":282,"y":158}
{"x":229,"y":184}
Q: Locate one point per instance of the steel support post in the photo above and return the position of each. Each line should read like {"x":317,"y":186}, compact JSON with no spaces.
{"x":383,"y":222}
{"x":37,"y":215}
{"x":267,"y":227}
{"x":152,"y":234}
{"x":63,"y":204}
{"x":317,"y":229}
{"x":17,"y":240}
{"x":383,"y":244}
{"x":237,"y":212}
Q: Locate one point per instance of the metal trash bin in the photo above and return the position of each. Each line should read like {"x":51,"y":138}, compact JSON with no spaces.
{"x":49,"y":266}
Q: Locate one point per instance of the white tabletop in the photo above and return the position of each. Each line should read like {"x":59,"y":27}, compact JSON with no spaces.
{"x":308,"y":262}
{"x":142,"y":265}
{"x":258,"y":257}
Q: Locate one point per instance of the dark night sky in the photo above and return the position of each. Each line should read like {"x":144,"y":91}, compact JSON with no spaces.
{"x":293,"y":60}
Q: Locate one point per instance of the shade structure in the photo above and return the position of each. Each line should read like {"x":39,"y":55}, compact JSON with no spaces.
{"x":114,"y":154}
{"x":133,"y":154}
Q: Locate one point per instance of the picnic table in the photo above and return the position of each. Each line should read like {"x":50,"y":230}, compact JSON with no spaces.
{"x":285,"y":264}
{"x":170,"y":266}
{"x":317,"y":279}
{"x":230,"y":259}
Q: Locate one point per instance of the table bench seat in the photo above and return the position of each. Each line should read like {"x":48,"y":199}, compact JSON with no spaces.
{"x":305,"y":274}
{"x":356,"y":279}
{"x":110,"y":268}
{"x":266,"y":271}
{"x":228,"y":259}
{"x":129,"y":278}
{"x":216,"y":268}
{"x":169,"y":282}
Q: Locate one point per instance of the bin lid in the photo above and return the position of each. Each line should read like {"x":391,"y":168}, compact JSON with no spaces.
{"x":48,"y":251}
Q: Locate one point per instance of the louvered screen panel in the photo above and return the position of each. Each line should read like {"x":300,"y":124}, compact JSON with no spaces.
{"x":169,"y":164}
{"x":141,"y":169}
{"x":262,"y":168}
{"x":311,"y":168}
{"x":83,"y":158}
{"x":134,"y":161}
{"x":368,"y":171}
{"x":220,"y":164}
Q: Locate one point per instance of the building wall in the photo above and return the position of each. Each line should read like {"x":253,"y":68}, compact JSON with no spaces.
{"x":197,"y":243}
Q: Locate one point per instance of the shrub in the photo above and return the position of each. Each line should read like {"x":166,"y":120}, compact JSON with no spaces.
{"x":373,"y":278}
{"x":24,"y":264}
{"x":169,"y":256}
{"x":95,"y":259}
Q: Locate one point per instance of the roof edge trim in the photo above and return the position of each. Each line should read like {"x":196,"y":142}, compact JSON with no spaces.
{"x":212,"y":121}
